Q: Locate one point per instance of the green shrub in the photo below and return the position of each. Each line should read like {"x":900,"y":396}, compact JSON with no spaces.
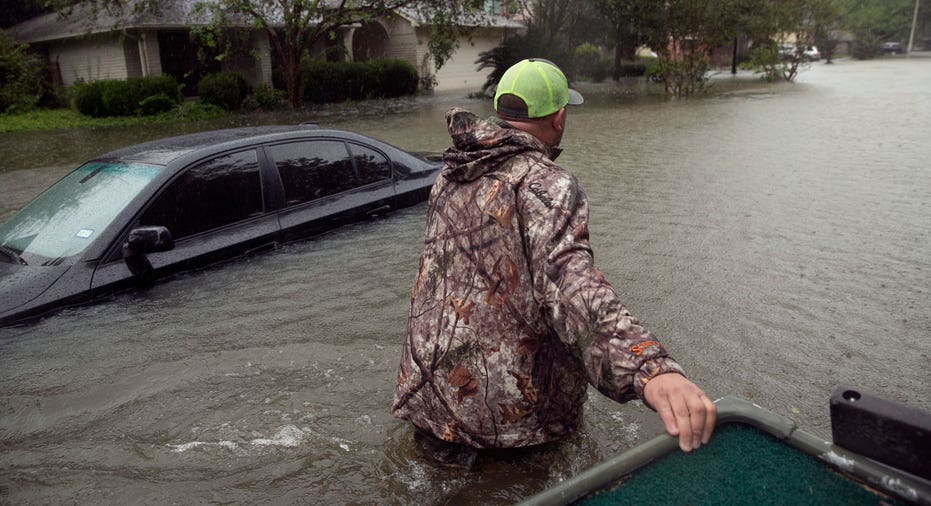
{"x":587,"y":57}
{"x":55,"y":96}
{"x":602,"y":69}
{"x":339,"y":81}
{"x":363,"y":80}
{"x":865,"y":46}
{"x":20,"y":76}
{"x":121,"y":98}
{"x":654,"y":70}
{"x":395,"y":78}
{"x":765,"y":59}
{"x":681,"y":78}
{"x":87,"y":98}
{"x":324,"y":82}
{"x":156,"y":104}
{"x":223,"y":89}
{"x":159,"y":85}
{"x":267,"y":97}
{"x":116,"y":97}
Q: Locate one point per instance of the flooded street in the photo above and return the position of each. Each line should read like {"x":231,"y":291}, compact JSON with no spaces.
{"x":776,"y":237}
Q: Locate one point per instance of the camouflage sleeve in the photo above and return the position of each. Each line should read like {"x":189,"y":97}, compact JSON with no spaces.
{"x":619,"y":355}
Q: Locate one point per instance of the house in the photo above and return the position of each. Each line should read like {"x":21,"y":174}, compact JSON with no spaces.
{"x":89,"y":46}
{"x":408,"y":34}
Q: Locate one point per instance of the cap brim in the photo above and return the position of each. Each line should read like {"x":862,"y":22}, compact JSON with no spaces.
{"x":575,"y":98}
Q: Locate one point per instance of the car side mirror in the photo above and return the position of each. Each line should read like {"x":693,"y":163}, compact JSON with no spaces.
{"x":144,"y":240}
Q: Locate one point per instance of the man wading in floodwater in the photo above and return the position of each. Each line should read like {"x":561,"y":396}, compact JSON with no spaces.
{"x":510,"y":320}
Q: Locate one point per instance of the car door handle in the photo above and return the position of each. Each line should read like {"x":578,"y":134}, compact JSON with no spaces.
{"x":378,"y":210}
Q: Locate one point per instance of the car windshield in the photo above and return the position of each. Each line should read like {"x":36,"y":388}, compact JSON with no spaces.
{"x":65,"y":219}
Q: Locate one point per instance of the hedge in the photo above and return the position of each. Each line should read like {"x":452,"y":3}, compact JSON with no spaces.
{"x":20,"y":76}
{"x":223,"y":89}
{"x":339,"y":81}
{"x":114,"y":97}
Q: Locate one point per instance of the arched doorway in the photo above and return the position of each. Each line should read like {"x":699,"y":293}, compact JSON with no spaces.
{"x":369,"y":41}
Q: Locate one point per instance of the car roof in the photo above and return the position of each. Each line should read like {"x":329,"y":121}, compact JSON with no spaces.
{"x":164,"y":151}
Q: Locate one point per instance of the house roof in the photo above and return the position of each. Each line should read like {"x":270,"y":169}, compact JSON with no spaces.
{"x":84,"y":20}
{"x":480,"y":19}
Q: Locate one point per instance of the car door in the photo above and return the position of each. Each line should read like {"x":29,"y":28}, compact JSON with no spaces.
{"x":328,"y":183}
{"x":214,"y":210}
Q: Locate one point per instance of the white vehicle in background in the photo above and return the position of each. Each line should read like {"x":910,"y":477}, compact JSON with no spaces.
{"x":812,"y":54}
{"x":790,"y":51}
{"x":892,"y":48}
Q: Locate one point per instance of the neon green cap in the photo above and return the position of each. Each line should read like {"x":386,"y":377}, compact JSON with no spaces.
{"x":540,"y":84}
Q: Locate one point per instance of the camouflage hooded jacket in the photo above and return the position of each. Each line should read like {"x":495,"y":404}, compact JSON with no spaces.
{"x":509,"y":319}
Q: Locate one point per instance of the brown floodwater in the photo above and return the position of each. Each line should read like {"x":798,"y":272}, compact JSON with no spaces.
{"x":777,"y":237}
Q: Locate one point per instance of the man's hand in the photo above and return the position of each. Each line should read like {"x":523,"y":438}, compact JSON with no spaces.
{"x":686,"y":411}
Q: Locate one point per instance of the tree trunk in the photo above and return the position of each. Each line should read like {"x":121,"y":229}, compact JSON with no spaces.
{"x":293,"y":78}
{"x":734,"y":58}
{"x":617,"y":62}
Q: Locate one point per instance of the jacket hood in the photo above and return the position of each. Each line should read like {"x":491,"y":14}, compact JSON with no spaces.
{"x":479,"y":146}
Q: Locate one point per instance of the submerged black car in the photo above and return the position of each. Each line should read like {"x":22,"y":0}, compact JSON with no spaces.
{"x":151,"y":210}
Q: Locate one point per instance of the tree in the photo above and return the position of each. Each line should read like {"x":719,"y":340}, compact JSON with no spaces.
{"x":293,"y":26}
{"x":569,"y":23}
{"x":876,"y":21}
{"x":550,"y":17}
{"x":683,"y":33}
{"x":825,"y":18}
{"x":20,"y":76}
{"x":776,"y":28}
{"x":19,"y":11}
{"x":554,"y":28}
{"x":627,"y":22}
{"x":555,"y":21}
{"x":782,"y":30}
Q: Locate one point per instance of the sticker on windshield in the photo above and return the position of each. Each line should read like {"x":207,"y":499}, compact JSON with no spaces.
{"x":84,"y":233}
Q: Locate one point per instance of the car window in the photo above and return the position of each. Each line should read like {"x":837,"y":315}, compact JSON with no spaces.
{"x":219,"y":192}
{"x":371,"y":166}
{"x":65,"y":219}
{"x":313,"y":169}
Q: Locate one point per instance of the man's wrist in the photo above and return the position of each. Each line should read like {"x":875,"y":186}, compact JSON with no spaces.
{"x":652,"y":368}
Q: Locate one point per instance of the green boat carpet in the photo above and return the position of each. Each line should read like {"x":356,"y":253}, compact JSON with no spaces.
{"x":740,"y":465}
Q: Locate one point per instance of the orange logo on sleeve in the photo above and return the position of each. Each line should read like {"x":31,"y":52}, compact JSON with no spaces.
{"x":637,"y":349}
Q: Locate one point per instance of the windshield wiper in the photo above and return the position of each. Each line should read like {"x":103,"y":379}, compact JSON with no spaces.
{"x":12,"y":254}
{"x":91,"y":175}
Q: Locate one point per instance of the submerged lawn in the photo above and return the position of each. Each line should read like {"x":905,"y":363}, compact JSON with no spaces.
{"x":52,"y":119}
